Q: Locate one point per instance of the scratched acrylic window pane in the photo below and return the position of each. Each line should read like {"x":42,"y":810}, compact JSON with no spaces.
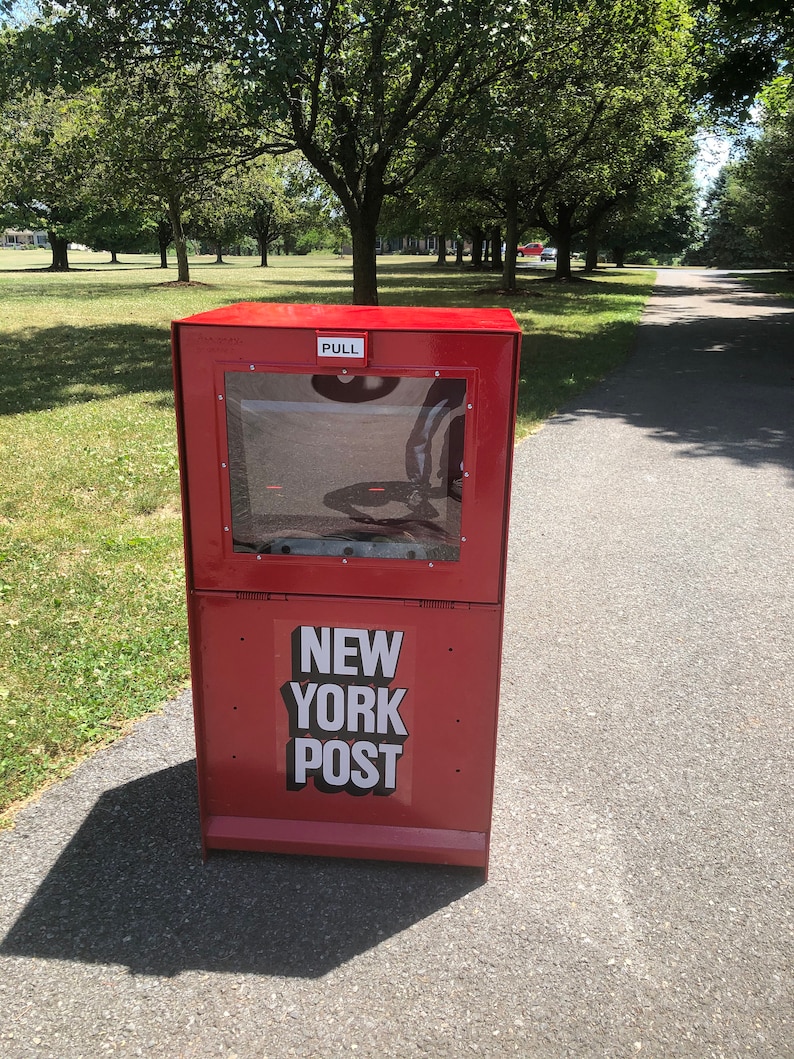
{"x":348,"y":465}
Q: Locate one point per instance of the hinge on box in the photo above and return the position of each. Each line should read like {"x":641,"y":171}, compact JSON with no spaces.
{"x":437,"y":604}
{"x":260,"y":595}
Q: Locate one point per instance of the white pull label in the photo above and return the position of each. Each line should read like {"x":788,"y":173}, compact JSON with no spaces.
{"x":339,"y":346}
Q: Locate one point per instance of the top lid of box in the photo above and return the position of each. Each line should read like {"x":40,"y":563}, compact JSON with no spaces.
{"x":359,"y":317}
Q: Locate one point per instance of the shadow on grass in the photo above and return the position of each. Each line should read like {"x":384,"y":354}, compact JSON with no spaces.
{"x":64,"y":365}
{"x":86,"y":288}
{"x":68,"y":364}
{"x":556,"y":369}
{"x":130,"y":889}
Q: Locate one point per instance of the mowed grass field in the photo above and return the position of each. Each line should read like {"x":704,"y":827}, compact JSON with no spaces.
{"x":92,"y":615}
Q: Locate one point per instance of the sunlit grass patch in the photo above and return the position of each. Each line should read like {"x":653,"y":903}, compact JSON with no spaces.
{"x":776,"y":281}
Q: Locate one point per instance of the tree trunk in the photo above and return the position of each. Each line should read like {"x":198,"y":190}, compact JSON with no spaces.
{"x":564,"y":236}
{"x":511,"y":243}
{"x":496,"y":249}
{"x":60,"y":252}
{"x":180,"y":243}
{"x":164,"y":236}
{"x":459,"y":251}
{"x":441,"y":258}
{"x":219,"y":255}
{"x":619,"y":254}
{"x":262,"y":233}
{"x":114,"y":258}
{"x":362,"y":212}
{"x":365,"y":268}
{"x":591,"y":257}
{"x":477,"y":237}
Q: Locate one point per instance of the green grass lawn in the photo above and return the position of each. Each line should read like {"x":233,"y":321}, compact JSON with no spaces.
{"x":773,"y":282}
{"x":91,"y":577}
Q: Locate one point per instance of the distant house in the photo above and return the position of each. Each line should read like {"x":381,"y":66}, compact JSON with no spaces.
{"x":13,"y":239}
{"x":411,"y":244}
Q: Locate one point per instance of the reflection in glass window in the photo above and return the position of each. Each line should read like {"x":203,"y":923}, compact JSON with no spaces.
{"x":358,"y":465}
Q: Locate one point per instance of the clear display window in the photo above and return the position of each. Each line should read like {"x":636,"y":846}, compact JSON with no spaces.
{"x":346,"y":465}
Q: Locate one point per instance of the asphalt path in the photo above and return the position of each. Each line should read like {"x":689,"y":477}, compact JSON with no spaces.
{"x":639,"y":898}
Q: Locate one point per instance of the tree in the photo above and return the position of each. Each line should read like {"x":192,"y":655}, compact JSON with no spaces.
{"x":766,"y":177}
{"x":368,"y":90}
{"x":485,"y":178}
{"x":729,"y":242}
{"x":220,"y":218}
{"x":105,"y":225}
{"x":265,"y":202}
{"x":742,"y":45}
{"x":311,"y":215}
{"x":168,"y":133}
{"x":563,"y":143}
{"x":48,"y":166}
{"x":659,"y":217}
{"x":749,"y":211}
{"x":620,"y":119}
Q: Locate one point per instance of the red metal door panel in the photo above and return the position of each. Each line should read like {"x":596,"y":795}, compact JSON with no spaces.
{"x":435,"y":719}
{"x":488,"y":362}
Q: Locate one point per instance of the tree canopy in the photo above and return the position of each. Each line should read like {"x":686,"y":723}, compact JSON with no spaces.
{"x":743,"y":46}
{"x":499,"y":116}
{"x":366,"y":90}
{"x":48,"y":174}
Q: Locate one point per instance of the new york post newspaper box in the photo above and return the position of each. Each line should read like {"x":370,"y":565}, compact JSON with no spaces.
{"x":345,"y":476}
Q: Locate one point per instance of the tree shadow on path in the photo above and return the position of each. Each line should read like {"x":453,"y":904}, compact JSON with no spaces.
{"x":715,"y":377}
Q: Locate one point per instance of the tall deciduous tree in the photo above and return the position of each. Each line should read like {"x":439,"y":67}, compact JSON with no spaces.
{"x":367,"y":89}
{"x":168,"y":132}
{"x":606,"y":131}
{"x":106,"y":225}
{"x":659,"y":216}
{"x":742,"y":46}
{"x":265,"y":201}
{"x":729,"y":241}
{"x":47,"y":166}
{"x":562,"y":143}
{"x":767,"y":176}
{"x":749,"y":212}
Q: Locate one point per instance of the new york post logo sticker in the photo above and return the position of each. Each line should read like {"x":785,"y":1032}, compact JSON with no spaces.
{"x":346,"y":731}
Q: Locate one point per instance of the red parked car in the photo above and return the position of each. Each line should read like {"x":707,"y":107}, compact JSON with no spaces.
{"x":530,"y":250}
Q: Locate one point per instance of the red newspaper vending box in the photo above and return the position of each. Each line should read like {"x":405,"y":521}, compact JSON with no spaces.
{"x":345,"y":477}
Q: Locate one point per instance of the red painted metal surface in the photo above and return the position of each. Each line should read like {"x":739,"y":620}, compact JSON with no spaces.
{"x":346,"y":684}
